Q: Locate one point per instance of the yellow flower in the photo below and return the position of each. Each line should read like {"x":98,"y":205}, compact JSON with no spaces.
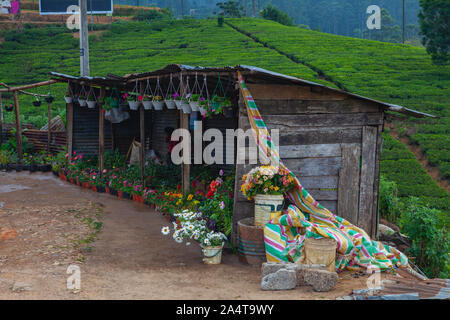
{"x":189,"y":198}
{"x":276,"y":188}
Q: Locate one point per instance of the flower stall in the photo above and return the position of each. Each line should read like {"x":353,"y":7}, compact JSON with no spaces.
{"x":328,"y":139}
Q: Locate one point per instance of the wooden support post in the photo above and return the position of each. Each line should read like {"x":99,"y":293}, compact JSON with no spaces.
{"x":142,"y":137}
{"x":101,"y":133}
{"x":69,"y":129}
{"x":1,"y":120}
{"x":18,"y":128}
{"x":185,"y":167}
{"x":49,"y":132}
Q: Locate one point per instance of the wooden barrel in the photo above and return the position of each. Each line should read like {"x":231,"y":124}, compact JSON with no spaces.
{"x":251,"y":242}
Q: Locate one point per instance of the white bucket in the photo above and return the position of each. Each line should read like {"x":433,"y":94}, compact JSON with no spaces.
{"x":147,"y":105}
{"x":264,"y":206}
{"x":170,"y":104}
{"x":186,"y":107}
{"x":212,"y":254}
{"x":68,"y":99}
{"x":91,"y":104}
{"x":178,"y":104}
{"x":134,"y":105}
{"x":158,"y":105}
{"x":194,"y":105}
{"x":82,"y":102}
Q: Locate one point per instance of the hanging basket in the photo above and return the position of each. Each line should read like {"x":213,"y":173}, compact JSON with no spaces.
{"x":178,"y":104}
{"x":68,"y":99}
{"x":158,"y":105}
{"x":171,"y":94}
{"x":37,"y":103}
{"x":82,"y":102}
{"x":170,"y":104}
{"x":49,"y":99}
{"x":82,"y":97}
{"x":134,"y":105}
{"x":147,"y":105}
{"x":9,"y":108}
{"x":91,"y":104}
{"x":186,"y":107}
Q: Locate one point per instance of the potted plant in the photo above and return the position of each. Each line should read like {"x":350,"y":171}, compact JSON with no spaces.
{"x":227,"y":108}
{"x":133,"y":103}
{"x":203,"y":106}
{"x":9,"y":107}
{"x":266,"y":184}
{"x":49,"y":98}
{"x":91,"y":99}
{"x":216,"y":104}
{"x":147,"y":101}
{"x":185,"y":105}
{"x":192,"y":226}
{"x":194,"y":102}
{"x":37,"y":102}
{"x":68,"y":96}
{"x":177,"y":99}
{"x":32,"y":163}
{"x":158,"y":102}
{"x":170,"y":102}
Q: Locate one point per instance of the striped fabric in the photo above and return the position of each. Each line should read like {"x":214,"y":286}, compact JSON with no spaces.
{"x":284,"y":235}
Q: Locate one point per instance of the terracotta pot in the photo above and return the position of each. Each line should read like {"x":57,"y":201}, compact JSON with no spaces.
{"x":119,"y":194}
{"x":107,"y":190}
{"x":71,"y":180}
{"x":94,"y":188}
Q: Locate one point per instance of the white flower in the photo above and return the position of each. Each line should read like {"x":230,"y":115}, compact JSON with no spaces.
{"x":165,"y":230}
{"x":188,"y":243}
{"x":178,"y":239}
{"x":206,"y":242}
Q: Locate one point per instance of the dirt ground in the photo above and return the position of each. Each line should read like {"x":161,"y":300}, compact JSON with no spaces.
{"x":58,"y":224}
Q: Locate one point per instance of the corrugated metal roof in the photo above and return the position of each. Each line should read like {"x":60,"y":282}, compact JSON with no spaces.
{"x":254,"y":71}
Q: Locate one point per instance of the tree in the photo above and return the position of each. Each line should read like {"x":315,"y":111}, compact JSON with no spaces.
{"x":434,"y":20}
{"x":272,"y":13}
{"x":389,"y":32}
{"x":230,"y":9}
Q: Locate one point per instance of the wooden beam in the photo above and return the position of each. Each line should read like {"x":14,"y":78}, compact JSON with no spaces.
{"x":18,"y":128}
{"x":29,"y":86}
{"x":185,"y":167}
{"x":101,"y":133}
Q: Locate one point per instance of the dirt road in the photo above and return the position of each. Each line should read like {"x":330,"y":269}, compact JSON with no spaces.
{"x":57,"y":225}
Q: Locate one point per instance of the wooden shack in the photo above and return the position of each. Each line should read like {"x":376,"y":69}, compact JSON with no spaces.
{"x":329,"y":138}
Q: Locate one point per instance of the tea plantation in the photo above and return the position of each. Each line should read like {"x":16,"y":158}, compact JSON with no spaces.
{"x":393,"y":73}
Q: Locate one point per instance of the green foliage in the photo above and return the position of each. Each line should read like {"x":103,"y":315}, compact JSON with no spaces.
{"x":434,"y":18}
{"x":114,"y":159}
{"x":389,"y":32}
{"x":430,"y":242}
{"x":150,"y":15}
{"x":272,"y":13}
{"x":230,"y":9}
{"x":388,"y":200}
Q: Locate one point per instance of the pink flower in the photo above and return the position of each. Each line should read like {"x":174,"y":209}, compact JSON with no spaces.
{"x":221,"y":172}
{"x":222,"y":205}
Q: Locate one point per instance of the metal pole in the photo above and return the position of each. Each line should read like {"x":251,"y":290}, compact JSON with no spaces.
{"x":84,"y":40}
{"x":92,"y":18}
{"x":404,"y":21}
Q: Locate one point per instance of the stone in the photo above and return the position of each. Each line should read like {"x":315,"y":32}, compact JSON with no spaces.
{"x":283,"y":279}
{"x":320,"y":280}
{"x":385,"y":230}
{"x":305,"y":268}
{"x":20,"y":286}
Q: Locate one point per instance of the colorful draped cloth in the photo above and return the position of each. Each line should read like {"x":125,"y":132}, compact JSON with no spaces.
{"x":284,"y":235}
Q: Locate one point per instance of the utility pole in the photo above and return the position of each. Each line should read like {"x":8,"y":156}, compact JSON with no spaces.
{"x":84,"y":40}
{"x":253,"y":8}
{"x":404,"y":21}
{"x":92,"y":18}
{"x":182,"y":10}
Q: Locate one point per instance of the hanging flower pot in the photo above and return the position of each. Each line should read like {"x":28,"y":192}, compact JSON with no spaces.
{"x":82,"y":97}
{"x":37,"y":103}
{"x":171,"y":92}
{"x":69,"y":94}
{"x":82,"y":102}
{"x":186,"y":107}
{"x":158,"y":104}
{"x":68,"y":99}
{"x":178,"y":103}
{"x":9,"y":107}
{"x":134,"y":105}
{"x":49,"y":99}
{"x":193,"y":102}
{"x":91,"y":104}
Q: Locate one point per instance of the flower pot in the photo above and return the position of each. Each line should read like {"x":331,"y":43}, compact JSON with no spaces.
{"x":228,"y":112}
{"x":71,"y":180}
{"x":167,"y":216}
{"x":82,"y":102}
{"x":158,"y":105}
{"x":186,"y":107}
{"x":202,"y":110}
{"x":33,"y":168}
{"x":94,"y":188}
{"x":170,"y":104}
{"x":178,"y":104}
{"x":251,"y":247}
{"x":44,"y":167}
{"x":100,"y":189}
{"x":85,"y":185}
{"x":126,"y":195}
{"x":212,"y":254}
{"x":91,"y":104}
{"x":113,"y":192}
{"x":107,"y":190}
{"x":18,"y":167}
{"x":49,"y":99}
{"x":123,"y":107}
{"x":134,"y":105}
{"x":8,"y":167}
{"x":194,"y":105}
{"x":147,"y":105}
{"x":264,"y":206}
{"x":68,"y":99}
{"x":37,"y":103}
{"x":62,"y":176}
